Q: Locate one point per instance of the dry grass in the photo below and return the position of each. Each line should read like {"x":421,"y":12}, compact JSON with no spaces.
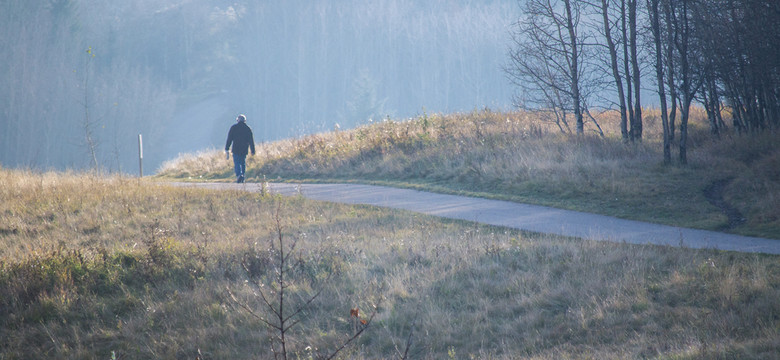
{"x":518,"y":156}
{"x":91,"y":266}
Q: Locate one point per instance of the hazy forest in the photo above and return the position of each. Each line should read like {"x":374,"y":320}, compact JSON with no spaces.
{"x":81,"y":78}
{"x":83,"y":75}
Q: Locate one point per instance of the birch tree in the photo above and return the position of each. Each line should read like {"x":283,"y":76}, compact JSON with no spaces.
{"x":547,"y":58}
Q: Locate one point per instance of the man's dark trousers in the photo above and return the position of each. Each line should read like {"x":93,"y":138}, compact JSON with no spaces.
{"x":239,"y":164}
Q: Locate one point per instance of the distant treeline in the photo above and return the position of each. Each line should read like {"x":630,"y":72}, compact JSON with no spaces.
{"x":79,"y":79}
{"x":86,"y":76}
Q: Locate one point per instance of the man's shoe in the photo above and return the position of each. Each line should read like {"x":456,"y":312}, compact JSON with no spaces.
{"x":240,"y":179}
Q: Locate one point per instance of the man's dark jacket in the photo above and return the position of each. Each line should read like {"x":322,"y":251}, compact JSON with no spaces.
{"x":241,"y":136}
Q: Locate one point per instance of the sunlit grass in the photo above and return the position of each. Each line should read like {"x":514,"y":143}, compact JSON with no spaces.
{"x":519,"y":156}
{"x":91,"y":266}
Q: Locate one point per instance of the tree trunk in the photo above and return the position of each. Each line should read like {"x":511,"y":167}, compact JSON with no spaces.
{"x":684,"y":134}
{"x":711,"y":101}
{"x":574,"y":66}
{"x":688,"y":90}
{"x":615,"y":69}
{"x":671,"y":40}
{"x":636,"y":125}
{"x":652,"y":6}
{"x":626,"y":69}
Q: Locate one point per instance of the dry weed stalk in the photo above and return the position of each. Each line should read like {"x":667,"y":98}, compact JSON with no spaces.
{"x":278,"y":317}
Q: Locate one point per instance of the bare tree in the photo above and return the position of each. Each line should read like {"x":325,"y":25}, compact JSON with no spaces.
{"x":548,"y":60}
{"x":543,"y":89}
{"x":671,"y":39}
{"x":281,"y":313}
{"x":636,"y":120}
{"x":631,"y":71}
{"x":689,"y":85}
{"x":604,"y":9}
{"x":573,"y":60}
{"x":739,"y":42}
{"x":655,"y":25}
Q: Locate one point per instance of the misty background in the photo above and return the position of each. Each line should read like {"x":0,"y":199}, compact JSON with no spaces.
{"x":82,"y":75}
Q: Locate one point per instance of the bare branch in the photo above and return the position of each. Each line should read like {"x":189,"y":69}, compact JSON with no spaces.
{"x":249,"y":310}
{"x":353,"y":337}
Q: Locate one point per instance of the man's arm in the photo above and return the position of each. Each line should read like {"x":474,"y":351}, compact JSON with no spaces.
{"x":251,"y":142}
{"x":229,"y":139}
{"x":227,"y":144}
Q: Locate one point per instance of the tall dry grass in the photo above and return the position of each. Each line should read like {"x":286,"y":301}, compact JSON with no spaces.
{"x":520,"y":156}
{"x":92,"y":266}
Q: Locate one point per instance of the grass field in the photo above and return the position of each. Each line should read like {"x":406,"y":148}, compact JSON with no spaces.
{"x":117,"y":267}
{"x":519,"y":157}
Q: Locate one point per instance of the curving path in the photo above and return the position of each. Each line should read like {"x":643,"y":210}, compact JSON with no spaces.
{"x":515,"y":215}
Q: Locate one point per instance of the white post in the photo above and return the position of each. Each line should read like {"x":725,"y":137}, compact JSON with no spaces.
{"x":140,"y":156}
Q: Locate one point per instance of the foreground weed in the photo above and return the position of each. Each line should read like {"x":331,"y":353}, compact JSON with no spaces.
{"x":276,"y":294}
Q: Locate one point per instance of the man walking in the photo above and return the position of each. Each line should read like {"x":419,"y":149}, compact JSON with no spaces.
{"x":240,"y":135}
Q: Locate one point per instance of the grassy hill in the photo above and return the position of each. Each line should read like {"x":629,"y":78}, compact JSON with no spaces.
{"x":95,"y":267}
{"x":520,"y":157}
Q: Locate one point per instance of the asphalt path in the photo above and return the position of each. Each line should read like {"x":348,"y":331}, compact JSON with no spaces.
{"x":514,"y":215}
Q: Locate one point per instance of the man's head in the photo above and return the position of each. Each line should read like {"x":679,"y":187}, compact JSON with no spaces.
{"x":241,"y":118}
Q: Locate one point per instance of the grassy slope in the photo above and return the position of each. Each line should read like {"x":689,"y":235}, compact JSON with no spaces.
{"x":519,"y":157}
{"x":92,"y":266}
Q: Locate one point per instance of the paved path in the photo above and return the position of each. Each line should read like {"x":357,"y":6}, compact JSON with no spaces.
{"x":514,"y":215}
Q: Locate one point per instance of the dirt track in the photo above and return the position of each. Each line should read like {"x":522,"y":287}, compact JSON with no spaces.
{"x":519,"y":216}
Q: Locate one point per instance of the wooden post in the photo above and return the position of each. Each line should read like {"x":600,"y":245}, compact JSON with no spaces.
{"x":140,"y":156}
